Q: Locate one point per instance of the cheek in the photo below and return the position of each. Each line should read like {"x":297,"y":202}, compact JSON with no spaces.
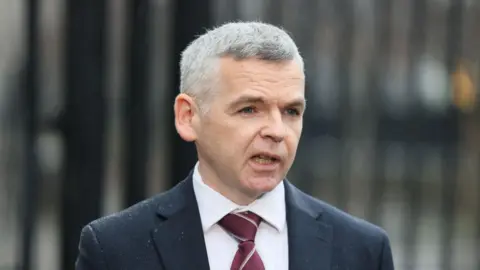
{"x":225,"y":140}
{"x":241,"y":130}
{"x":292,"y":146}
{"x":293,"y":139}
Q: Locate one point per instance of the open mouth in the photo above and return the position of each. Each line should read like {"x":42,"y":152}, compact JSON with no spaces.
{"x":265,"y":159}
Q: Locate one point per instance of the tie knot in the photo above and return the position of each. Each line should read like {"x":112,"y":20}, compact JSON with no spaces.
{"x":243,"y":226}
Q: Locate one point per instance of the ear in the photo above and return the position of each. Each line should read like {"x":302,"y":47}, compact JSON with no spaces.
{"x":185,"y":111}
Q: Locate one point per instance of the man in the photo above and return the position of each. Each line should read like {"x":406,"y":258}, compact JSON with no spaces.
{"x":241,"y":102}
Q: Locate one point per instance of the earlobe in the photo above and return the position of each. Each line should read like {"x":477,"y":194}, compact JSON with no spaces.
{"x":184,"y":113}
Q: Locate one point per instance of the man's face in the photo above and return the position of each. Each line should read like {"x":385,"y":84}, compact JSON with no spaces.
{"x":248,"y":139}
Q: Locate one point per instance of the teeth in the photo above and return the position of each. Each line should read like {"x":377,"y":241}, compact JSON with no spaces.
{"x":263,"y":159}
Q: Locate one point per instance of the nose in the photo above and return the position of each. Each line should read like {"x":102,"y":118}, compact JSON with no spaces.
{"x":275,"y":128}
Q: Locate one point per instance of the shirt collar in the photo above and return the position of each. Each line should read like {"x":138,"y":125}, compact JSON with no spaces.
{"x":213,"y":206}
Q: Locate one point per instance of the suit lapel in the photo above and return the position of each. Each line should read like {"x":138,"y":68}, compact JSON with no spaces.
{"x":179,"y":235}
{"x":309,"y":237}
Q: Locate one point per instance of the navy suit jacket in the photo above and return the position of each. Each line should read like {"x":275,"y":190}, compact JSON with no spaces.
{"x":165,"y":233}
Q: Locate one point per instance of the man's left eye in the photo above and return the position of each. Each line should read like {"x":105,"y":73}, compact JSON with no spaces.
{"x":293,"y":112}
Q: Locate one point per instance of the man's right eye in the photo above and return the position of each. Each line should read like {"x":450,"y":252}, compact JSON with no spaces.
{"x":247,"y":110}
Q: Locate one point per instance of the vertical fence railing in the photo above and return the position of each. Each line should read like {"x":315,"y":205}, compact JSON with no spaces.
{"x":449,"y":175}
{"x":83,"y":122}
{"x":449,"y":185}
{"x":30,"y":97}
{"x":412,"y":189}
{"x":477,"y":242}
{"x":383,"y":35}
{"x":136,"y":115}
{"x":412,"y":179}
{"x":344,"y":10}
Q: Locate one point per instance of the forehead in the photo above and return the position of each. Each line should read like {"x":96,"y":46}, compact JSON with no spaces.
{"x":272,"y":80}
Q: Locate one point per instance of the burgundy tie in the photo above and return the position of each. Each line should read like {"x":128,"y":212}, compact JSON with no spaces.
{"x":243,"y":227}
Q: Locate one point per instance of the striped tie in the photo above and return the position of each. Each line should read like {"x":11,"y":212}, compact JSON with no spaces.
{"x":243,"y":227}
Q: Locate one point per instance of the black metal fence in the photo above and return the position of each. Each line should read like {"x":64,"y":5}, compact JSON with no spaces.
{"x":391,"y":134}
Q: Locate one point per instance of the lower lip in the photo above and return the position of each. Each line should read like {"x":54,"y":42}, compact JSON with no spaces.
{"x":264,"y":166}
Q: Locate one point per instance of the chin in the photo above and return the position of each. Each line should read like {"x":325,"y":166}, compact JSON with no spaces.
{"x":262,"y":184}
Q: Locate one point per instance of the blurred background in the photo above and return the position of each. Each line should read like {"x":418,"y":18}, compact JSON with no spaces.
{"x":391,"y":133}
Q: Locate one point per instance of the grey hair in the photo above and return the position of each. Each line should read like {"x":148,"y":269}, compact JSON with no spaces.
{"x":240,"y":40}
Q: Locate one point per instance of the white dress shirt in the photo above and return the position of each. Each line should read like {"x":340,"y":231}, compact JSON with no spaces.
{"x":271,"y":240}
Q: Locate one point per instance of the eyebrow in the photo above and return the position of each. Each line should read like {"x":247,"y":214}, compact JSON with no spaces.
{"x":298,"y":102}
{"x":247,"y":99}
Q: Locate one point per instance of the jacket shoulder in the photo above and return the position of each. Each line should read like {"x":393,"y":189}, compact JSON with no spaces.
{"x":140,"y":215}
{"x":347,"y":229}
{"x":133,"y":214}
{"x":124,"y":238}
{"x":364,"y":242}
